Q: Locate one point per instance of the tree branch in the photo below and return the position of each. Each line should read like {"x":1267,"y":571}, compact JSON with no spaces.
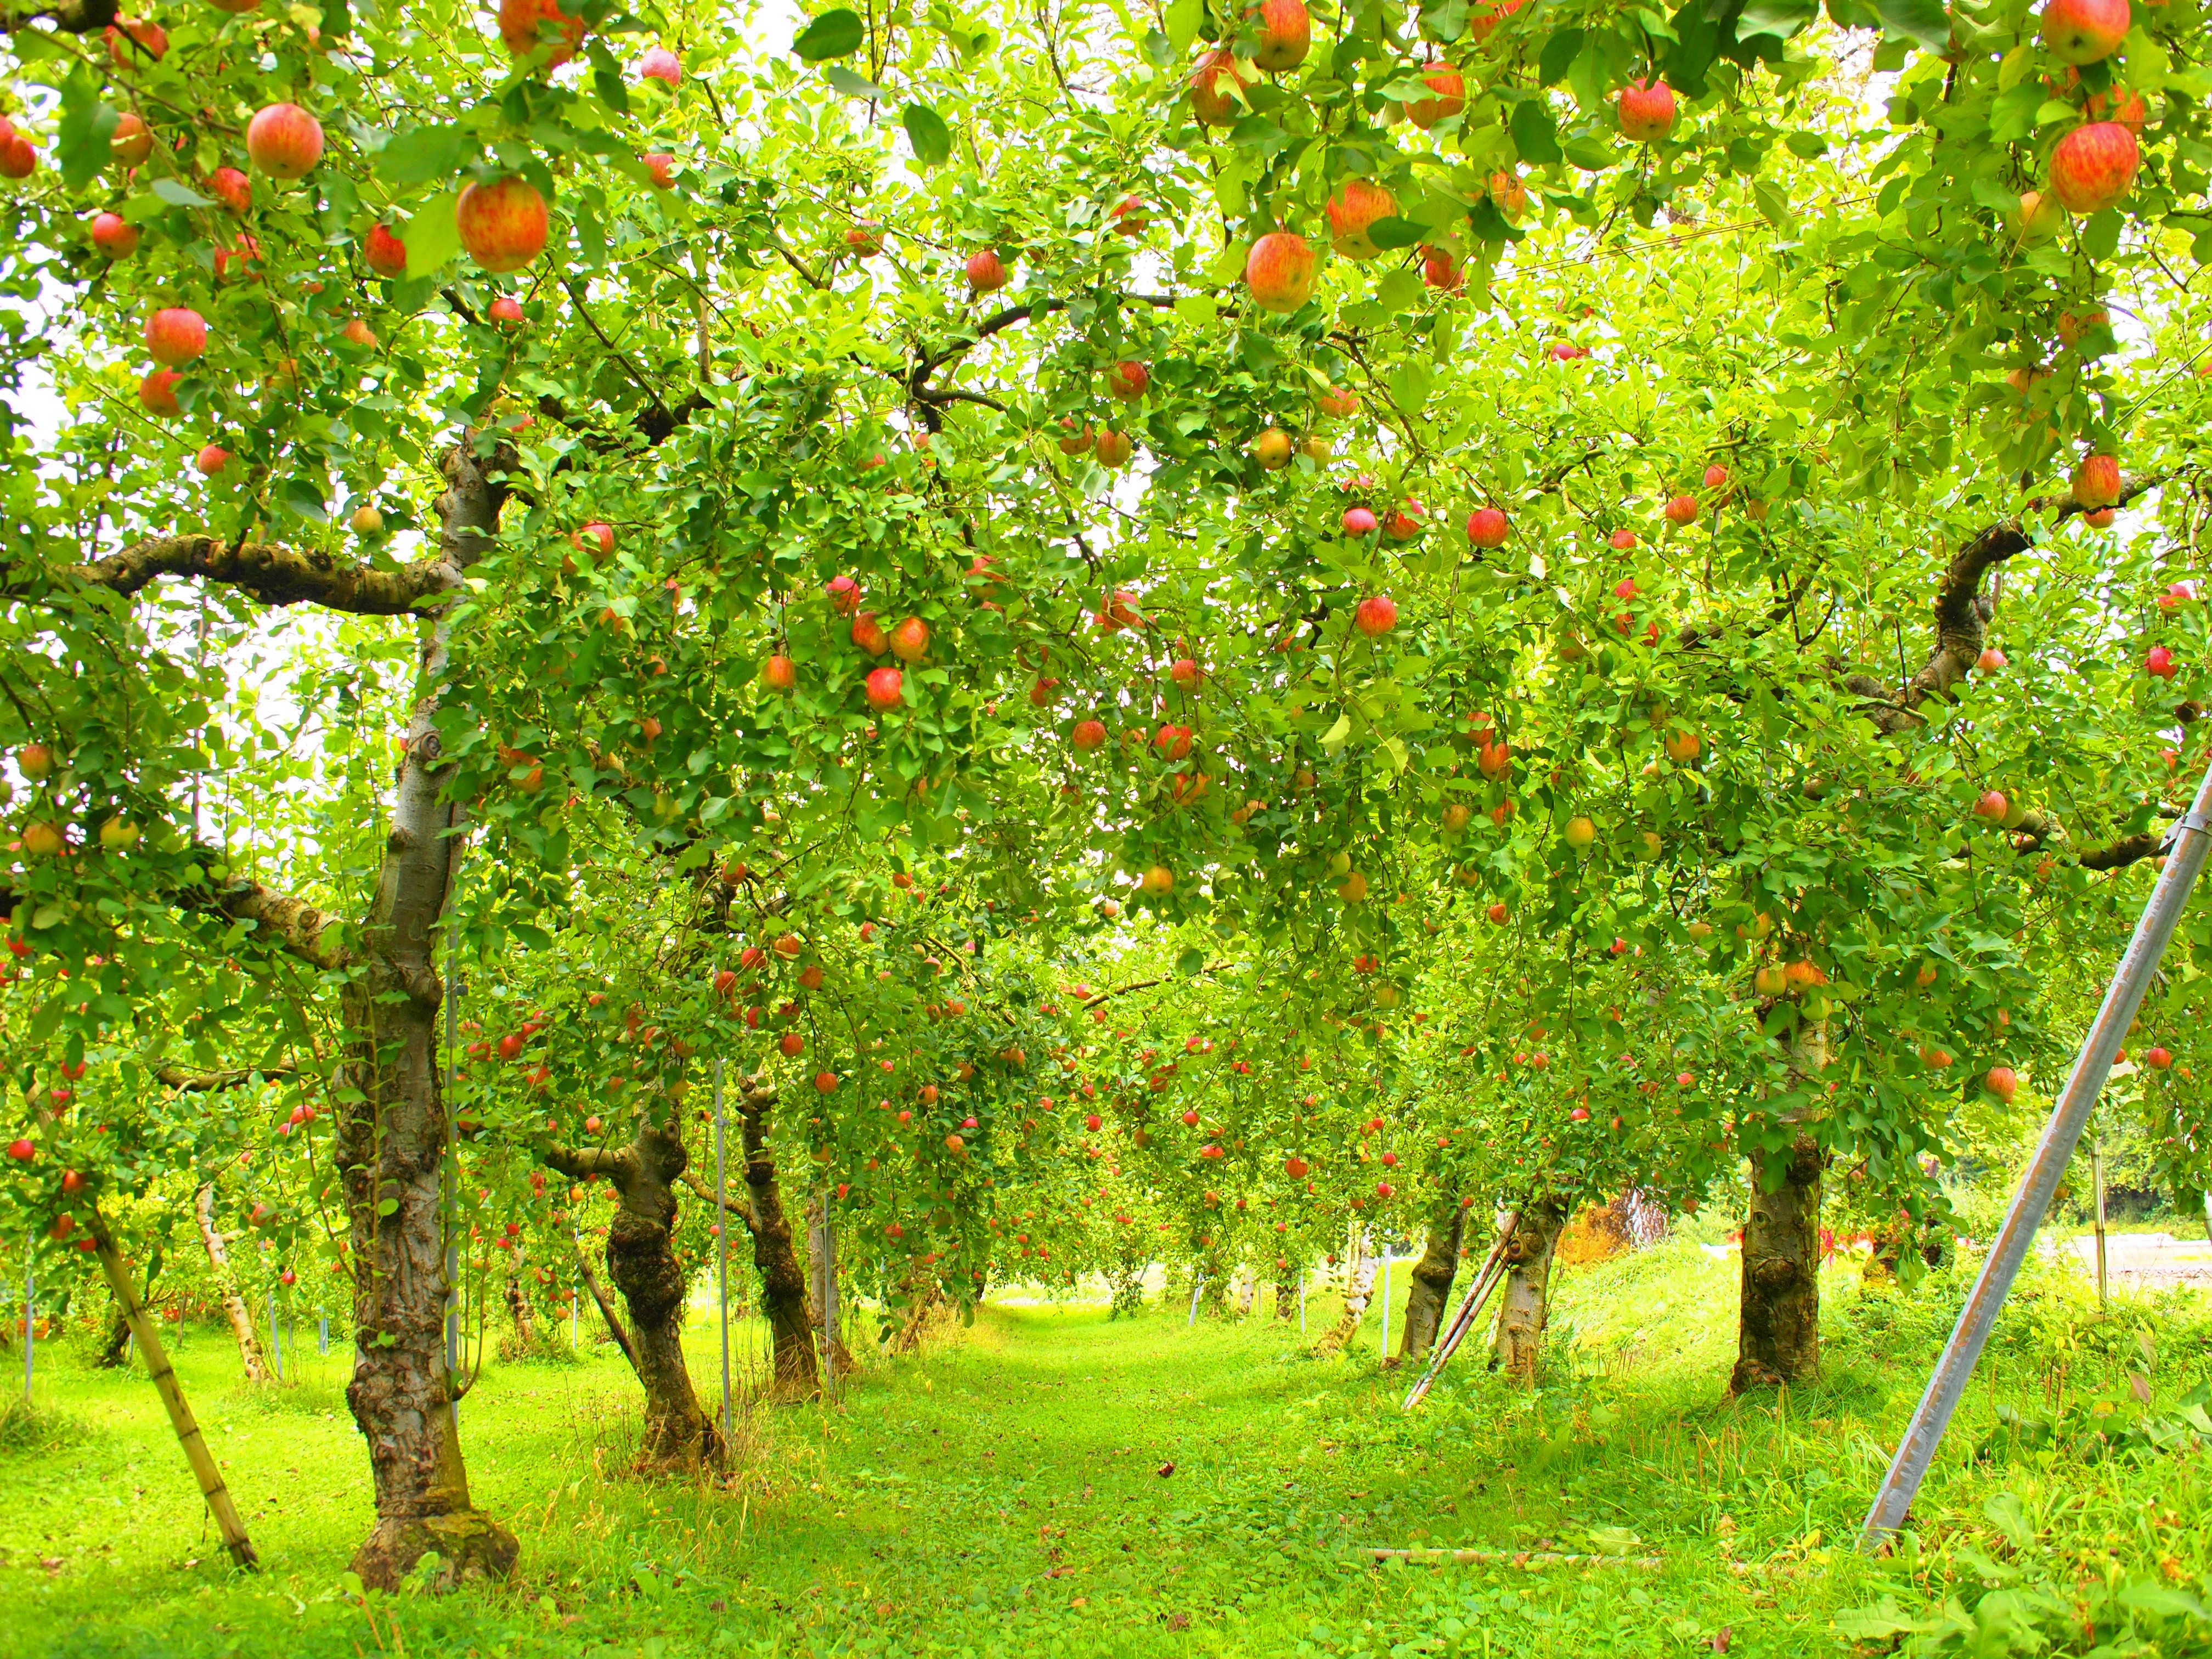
{"x":201,"y":1083}
{"x":292,"y":925}
{"x":70,"y":16}
{"x":618,"y":1164}
{"x":272,"y":575}
{"x":927,"y":366}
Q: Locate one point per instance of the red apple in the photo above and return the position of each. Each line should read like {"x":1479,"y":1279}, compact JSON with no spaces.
{"x":1213,"y":103}
{"x":131,"y":142}
{"x":1447,"y":95}
{"x":1130,"y":216}
{"x":780,"y":673}
{"x":2101,"y":518}
{"x":791,"y":1043}
{"x":865,"y":238}
{"x":384,"y":252}
{"x":1717,"y":476}
{"x":659,"y":63}
{"x":844,"y":594}
{"x":18,"y":159}
{"x":1115,"y":449}
{"x":157,"y":393}
{"x":1353,"y":212}
{"x":662,"y":167}
{"x":284,"y":141}
{"x":175,"y":336}
{"x":358,"y":332}
{"x":211,"y":460}
{"x":1127,"y":381}
{"x":1991,"y":660}
{"x":503,"y":225}
{"x":1498,"y":914}
{"x":1681,"y":509}
{"x":2159,"y":662}
{"x":2084,"y":31}
{"x":1565,"y":351}
{"x":2093,"y":166}
{"x":1646,"y":110}
{"x":910,"y":640}
{"x":2096,"y":481}
{"x":21,"y":1151}
{"x":132,"y":44}
{"x":114,"y":235}
{"x":524,"y":30}
{"x":1286,"y":34}
{"x":2158,"y":1059}
{"x":1622,"y":541}
{"x":1990,"y":805}
{"x":868,"y":633}
{"x":232,"y":188}
{"x":1376,"y":615}
{"x":1273,"y":449}
{"x":1441,"y":270}
{"x":1487,"y":526}
{"x":1279,"y":272}
{"x":596,"y":538}
{"x":1359,"y":521}
{"x":506,"y":311}
{"x":986,"y":272}
{"x":884,"y":688}
{"x":2001,"y":1081}
{"x":1088,"y":735}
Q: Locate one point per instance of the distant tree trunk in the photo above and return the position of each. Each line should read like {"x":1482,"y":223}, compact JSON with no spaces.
{"x":391,"y":1123}
{"x":1525,"y":1308}
{"x":641,"y":1261}
{"x":115,"y":1350}
{"x":1286,"y":1294}
{"x":1778,"y":1332}
{"x":1432,"y":1281}
{"x":518,"y":1309}
{"x":783,"y":1285}
{"x":225,"y":1284}
{"x":1358,"y":1286}
{"x":824,"y":1314}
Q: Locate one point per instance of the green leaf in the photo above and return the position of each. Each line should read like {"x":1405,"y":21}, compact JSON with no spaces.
{"x":1773,"y":201}
{"x":1191,"y":963}
{"x":421,"y":154}
{"x":176,"y":193}
{"x":1807,"y":146}
{"x":1559,"y":56}
{"x":1924,"y":22}
{"x":836,"y":33}
{"x":607,"y":78}
{"x":432,"y":237}
{"x":927,"y":131}
{"x":851,"y":85}
{"x":337,"y":19}
{"x":1781,"y":18}
{"x":1335,"y":738}
{"x":1396,"y":233}
{"x":387,"y":1205}
{"x":1399,"y":290}
{"x":305,"y":497}
{"x":86,"y":127}
{"x":1182,"y":20}
{"x":1535,"y":136}
{"x":1852,"y":14}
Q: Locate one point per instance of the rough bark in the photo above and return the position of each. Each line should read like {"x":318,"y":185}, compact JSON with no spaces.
{"x":1286,"y":1297}
{"x":1525,"y":1309}
{"x":391,"y":1134}
{"x":114,"y":1350}
{"x":1779,"y":1334}
{"x":605,"y":1305}
{"x":277,"y":575}
{"x":226,"y":1283}
{"x":1431,"y":1291}
{"x":641,"y":1261}
{"x":783,"y":1285}
{"x":1358,"y":1286}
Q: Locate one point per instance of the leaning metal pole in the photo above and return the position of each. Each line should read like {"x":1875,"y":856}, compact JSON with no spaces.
{"x":2186,"y":850}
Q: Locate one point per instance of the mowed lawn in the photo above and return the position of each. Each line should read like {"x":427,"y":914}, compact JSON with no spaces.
{"x":1049,"y":1481}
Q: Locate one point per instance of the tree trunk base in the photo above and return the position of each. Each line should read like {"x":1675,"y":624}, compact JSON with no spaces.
{"x":1778,"y":1332}
{"x":470,"y":1544}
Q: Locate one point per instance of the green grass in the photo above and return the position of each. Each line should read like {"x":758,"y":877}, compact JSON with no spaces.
{"x":1000,"y":1494}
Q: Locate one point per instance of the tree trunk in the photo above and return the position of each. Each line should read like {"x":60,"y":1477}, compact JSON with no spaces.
{"x":783,"y":1286}
{"x":115,"y":1351}
{"x":1432,"y":1281}
{"x":641,"y":1261}
{"x":1358,"y":1286}
{"x":1286,"y":1297}
{"x":390,"y":1138}
{"x":825,"y":1315}
{"x":225,"y":1284}
{"x":1526,"y":1307}
{"x":1778,"y":1334}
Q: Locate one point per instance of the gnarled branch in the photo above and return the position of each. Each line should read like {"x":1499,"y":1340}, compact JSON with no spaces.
{"x":69,"y":16}
{"x":274,"y":574}
{"x":207,"y":1083}
{"x":292,"y":925}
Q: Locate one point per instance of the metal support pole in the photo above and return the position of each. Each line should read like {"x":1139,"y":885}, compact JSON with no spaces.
{"x":721,"y":1255}
{"x":322,"y":1330}
{"x":828,"y":1272}
{"x":2097,"y":1169}
{"x":276,"y":1337}
{"x":451,"y":1171}
{"x":2185,"y":859}
{"x":1301,"y":1302}
{"x":1385,"y":1294}
{"x":1196,"y":1285}
{"x":30,"y":1314}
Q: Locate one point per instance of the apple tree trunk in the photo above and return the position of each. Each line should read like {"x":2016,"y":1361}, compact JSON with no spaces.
{"x":391,"y":1137}
{"x":1525,"y":1305}
{"x":225,"y":1284}
{"x":1778,"y":1332}
{"x":1431,"y":1289}
{"x":1286,"y":1297}
{"x":783,"y":1283}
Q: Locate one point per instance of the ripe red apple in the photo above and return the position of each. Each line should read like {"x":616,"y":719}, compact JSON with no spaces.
{"x":114,"y":235}
{"x":133,"y":44}
{"x":1088,"y":735}
{"x":2084,"y":31}
{"x":1352,"y":210}
{"x":211,"y":460}
{"x":662,"y":167}
{"x":18,"y":158}
{"x":1130,"y":216}
{"x":232,"y":188}
{"x":1214,"y":86}
{"x":883,"y":690}
{"x":1681,"y":509}
{"x":1377,"y":615}
{"x":1498,"y":914}
{"x":1359,"y":521}
{"x":1622,"y":541}
{"x":2158,"y":1059}
{"x":1717,"y":476}
{"x":1991,"y":660}
{"x":986,"y":271}
{"x":157,"y":393}
{"x":596,"y":538}
{"x":131,"y":142}
{"x":538,"y":31}
{"x":868,"y":633}
{"x":358,"y":332}
{"x":1403,"y":523}
{"x":1337,"y":402}
{"x":1447,"y":95}
{"x":244,"y":253}
{"x":1286,"y":34}
{"x":1127,"y":381}
{"x":502,"y":225}
{"x":1990,"y":804}
{"x":1173,"y":741}
{"x":2093,"y":166}
{"x":1646,"y":110}
{"x":659,"y":63}
{"x":844,"y":594}
{"x":1158,"y":880}
{"x":2096,"y":480}
{"x":384,"y":252}
{"x":780,"y":673}
{"x":175,"y":336}
{"x":1273,"y":449}
{"x":1115,"y":449}
{"x":910,"y":640}
{"x":1279,"y":272}
{"x":284,"y":141}
{"x":506,"y":311}
{"x":510,"y":1045}
{"x":2001,"y":1081}
{"x":1487,"y":526}
{"x":21,"y":1151}
{"x":791,"y":1043}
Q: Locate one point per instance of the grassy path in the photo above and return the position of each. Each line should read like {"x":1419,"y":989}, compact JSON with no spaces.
{"x":1008,"y":1493}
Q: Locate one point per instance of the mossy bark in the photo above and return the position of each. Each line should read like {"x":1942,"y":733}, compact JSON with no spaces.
{"x":783,"y":1283}
{"x":1778,"y":1329}
{"x":1517,"y":1343}
{"x":1431,"y":1291}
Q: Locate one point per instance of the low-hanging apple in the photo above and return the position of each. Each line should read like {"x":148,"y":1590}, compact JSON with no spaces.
{"x":661,"y":64}
{"x":884,"y":688}
{"x":503,"y":225}
{"x":1353,"y":211}
{"x":986,"y":271}
{"x":284,"y":141}
{"x":1447,"y":95}
{"x":2084,"y":31}
{"x":1359,"y":521}
{"x":1286,"y":34}
{"x":1216,"y":85}
{"x":115,"y":237}
{"x":1279,"y":272}
{"x":1487,"y":526}
{"x":1646,"y":111}
{"x":1375,"y":615}
{"x":2095,"y":165}
{"x":175,"y":336}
